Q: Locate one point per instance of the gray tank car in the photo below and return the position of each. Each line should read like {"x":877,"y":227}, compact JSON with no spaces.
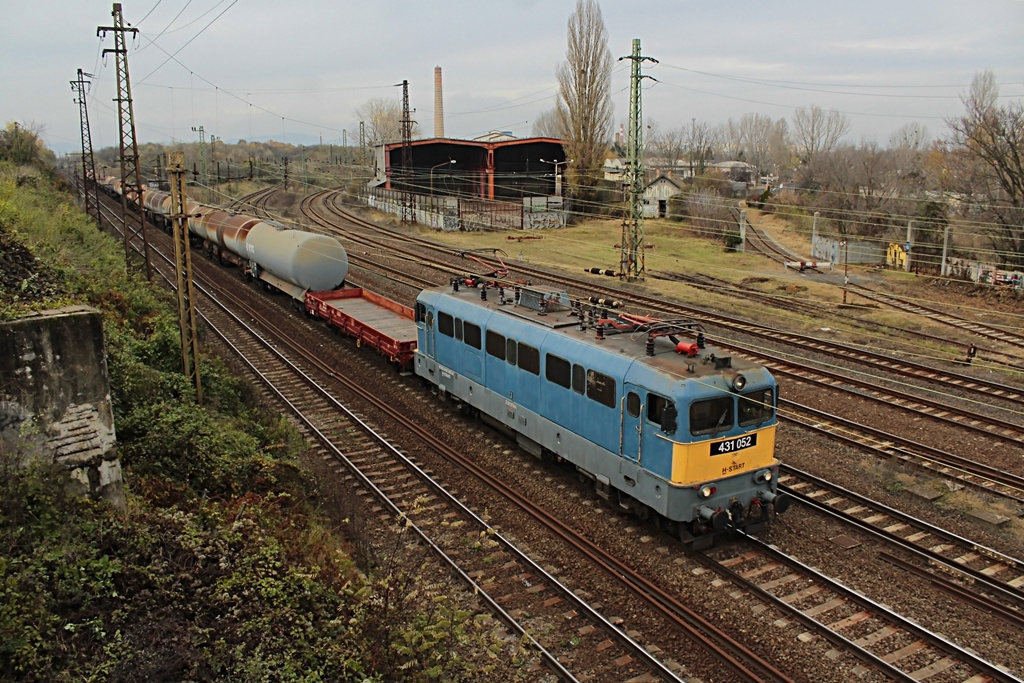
{"x":310,"y":261}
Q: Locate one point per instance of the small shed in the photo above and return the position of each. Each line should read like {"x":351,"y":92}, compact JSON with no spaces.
{"x":657,"y":193}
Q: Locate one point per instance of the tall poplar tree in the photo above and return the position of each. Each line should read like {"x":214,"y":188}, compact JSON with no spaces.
{"x":584,"y":108}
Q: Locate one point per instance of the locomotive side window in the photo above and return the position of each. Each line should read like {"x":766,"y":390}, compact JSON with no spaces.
{"x":557,"y":370}
{"x":510,"y":352}
{"x":579,"y":379}
{"x":601,"y":388}
{"x":633,"y":404}
{"x":445,"y":324}
{"x":529,"y":358}
{"x":473,"y":335}
{"x":711,"y":417}
{"x":756,"y":407}
{"x":495,"y":345}
{"x":458,"y":329}
{"x":421,"y":312}
{"x":655,"y":407}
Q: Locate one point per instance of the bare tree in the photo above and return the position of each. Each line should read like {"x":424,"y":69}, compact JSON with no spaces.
{"x":816,"y":130}
{"x":755,"y":138}
{"x":911,"y":136}
{"x":585,"y":106}
{"x":701,"y":140}
{"x":866,"y":190}
{"x":993,"y":137}
{"x":383,"y":119}
{"x":667,"y":145}
{"x":547,"y":125}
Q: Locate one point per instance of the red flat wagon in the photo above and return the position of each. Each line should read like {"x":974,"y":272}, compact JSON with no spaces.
{"x":372,"y":319}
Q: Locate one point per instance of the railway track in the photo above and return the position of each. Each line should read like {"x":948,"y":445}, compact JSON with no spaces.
{"x":991,"y":480}
{"x":897,"y":646}
{"x":943,"y":317}
{"x":767,"y":247}
{"x":953,"y":351}
{"x":981,"y":571}
{"x":516,"y":589}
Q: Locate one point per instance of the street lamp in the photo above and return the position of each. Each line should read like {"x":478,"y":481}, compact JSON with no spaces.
{"x":558,"y":176}
{"x":443,"y":163}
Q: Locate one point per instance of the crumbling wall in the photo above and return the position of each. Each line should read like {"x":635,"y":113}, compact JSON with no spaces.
{"x":55,"y":397}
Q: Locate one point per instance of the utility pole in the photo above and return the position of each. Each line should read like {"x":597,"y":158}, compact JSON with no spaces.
{"x":302,"y":148}
{"x":89,"y":185}
{"x":136,"y":246}
{"x":631,"y":263}
{"x":407,"y":198}
{"x":203,"y":180}
{"x":183,"y":270}
{"x":362,"y":141}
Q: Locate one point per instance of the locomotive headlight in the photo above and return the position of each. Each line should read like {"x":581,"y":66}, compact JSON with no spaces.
{"x":763,"y":476}
{"x":739,"y":382}
{"x":707,"y":491}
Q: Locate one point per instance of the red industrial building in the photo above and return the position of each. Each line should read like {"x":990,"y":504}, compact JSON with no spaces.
{"x":495,"y":167}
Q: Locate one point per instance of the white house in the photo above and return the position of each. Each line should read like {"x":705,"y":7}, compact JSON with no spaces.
{"x":657,"y":193}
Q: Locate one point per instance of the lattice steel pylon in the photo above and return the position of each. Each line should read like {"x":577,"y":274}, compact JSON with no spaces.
{"x":90,"y":189}
{"x":183,"y":269}
{"x":407,"y":177}
{"x":136,"y":246}
{"x":631,"y":263}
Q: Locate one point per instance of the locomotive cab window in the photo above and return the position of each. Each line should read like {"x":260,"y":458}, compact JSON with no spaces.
{"x":601,"y":388}
{"x":662,"y":412}
{"x":557,"y":370}
{"x":421,"y":312}
{"x":472,"y":335}
{"x":495,"y":345}
{"x":756,"y":407}
{"x":510,"y":352}
{"x":529,"y":358}
{"x":445,"y":324}
{"x":458,"y":329}
{"x":712,"y":416}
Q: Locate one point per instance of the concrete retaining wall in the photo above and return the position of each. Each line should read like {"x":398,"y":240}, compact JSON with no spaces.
{"x":55,"y":397}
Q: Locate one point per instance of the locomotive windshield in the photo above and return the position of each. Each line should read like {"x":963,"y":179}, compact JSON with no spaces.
{"x":711,"y":416}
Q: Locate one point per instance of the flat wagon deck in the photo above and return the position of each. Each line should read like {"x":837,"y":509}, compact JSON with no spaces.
{"x":371,"y":319}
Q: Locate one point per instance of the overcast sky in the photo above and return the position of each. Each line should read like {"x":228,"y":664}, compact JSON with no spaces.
{"x":297,"y":71}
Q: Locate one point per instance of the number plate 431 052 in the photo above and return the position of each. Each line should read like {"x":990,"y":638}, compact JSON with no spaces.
{"x":733,"y":445}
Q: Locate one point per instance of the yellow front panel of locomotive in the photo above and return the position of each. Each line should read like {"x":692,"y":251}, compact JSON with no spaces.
{"x":692,"y":463}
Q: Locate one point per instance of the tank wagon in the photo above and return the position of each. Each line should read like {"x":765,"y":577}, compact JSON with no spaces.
{"x":292,"y":261}
{"x":660,"y":426}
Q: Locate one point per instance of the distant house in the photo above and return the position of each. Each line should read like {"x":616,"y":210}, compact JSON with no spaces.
{"x":496,"y":136}
{"x":739,"y":171}
{"x":657,"y":193}
{"x":614,"y":169}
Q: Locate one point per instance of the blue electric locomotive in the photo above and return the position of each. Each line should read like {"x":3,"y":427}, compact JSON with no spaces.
{"x":658,"y":425}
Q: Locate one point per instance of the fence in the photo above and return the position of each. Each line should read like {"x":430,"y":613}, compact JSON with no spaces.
{"x":457,"y":213}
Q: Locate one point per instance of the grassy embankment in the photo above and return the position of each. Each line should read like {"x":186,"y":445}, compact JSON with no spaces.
{"x":226,"y":563}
